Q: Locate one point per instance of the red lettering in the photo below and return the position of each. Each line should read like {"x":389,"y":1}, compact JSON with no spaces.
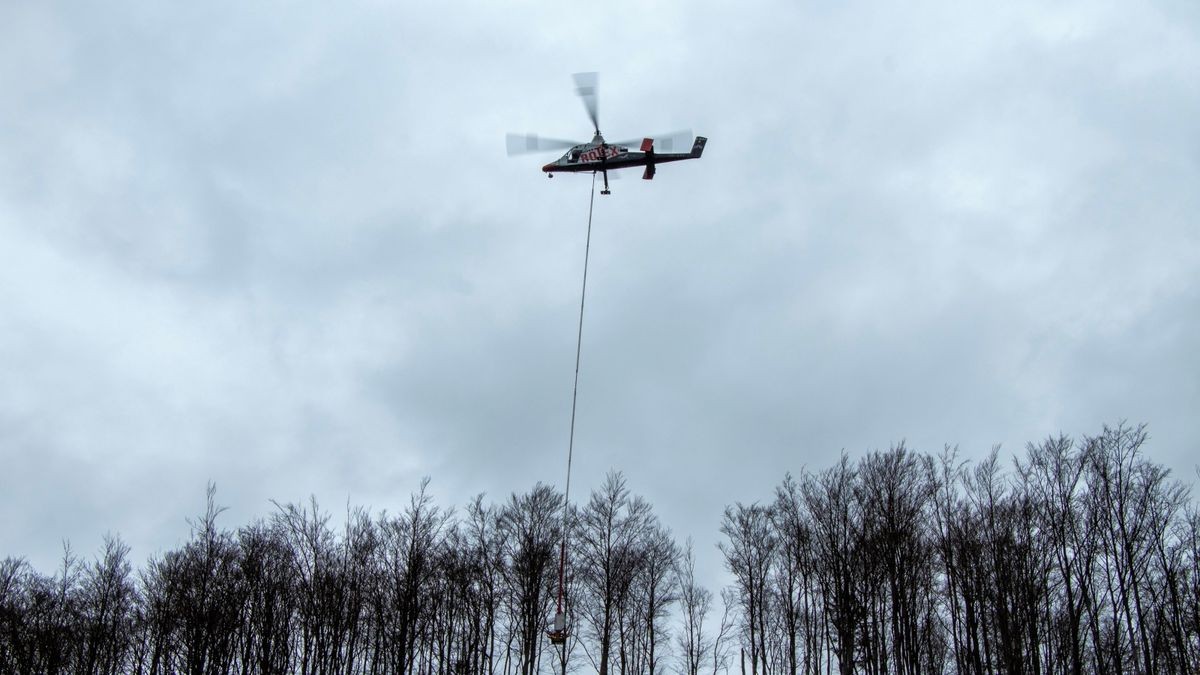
{"x":597,"y":153}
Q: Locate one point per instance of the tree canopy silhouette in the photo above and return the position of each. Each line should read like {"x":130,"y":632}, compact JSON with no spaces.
{"x":1083,"y":556}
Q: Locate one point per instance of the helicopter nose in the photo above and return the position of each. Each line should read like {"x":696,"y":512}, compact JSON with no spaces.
{"x":549,"y":167}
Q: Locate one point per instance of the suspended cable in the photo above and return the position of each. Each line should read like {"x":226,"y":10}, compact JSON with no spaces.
{"x":559,"y":618}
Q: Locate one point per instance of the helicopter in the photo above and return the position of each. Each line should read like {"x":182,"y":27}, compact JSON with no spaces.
{"x":598,"y":154}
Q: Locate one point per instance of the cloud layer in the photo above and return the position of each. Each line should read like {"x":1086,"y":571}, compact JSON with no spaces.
{"x":280,"y":248}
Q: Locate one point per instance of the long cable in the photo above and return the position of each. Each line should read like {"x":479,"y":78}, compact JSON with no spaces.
{"x":587,"y":248}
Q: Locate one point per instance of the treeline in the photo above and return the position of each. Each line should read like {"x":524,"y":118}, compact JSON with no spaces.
{"x":1082,"y":557}
{"x":427,"y":590}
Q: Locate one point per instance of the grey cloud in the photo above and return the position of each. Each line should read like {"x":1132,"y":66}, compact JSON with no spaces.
{"x":281,"y":248}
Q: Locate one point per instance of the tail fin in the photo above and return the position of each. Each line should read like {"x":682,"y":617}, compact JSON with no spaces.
{"x":698,"y":146}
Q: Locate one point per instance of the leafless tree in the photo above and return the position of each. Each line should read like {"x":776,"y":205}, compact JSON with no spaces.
{"x":837,"y":548}
{"x":108,"y":600}
{"x":268,"y":600}
{"x":749,"y":552}
{"x":611,"y":526}
{"x":656,"y":592}
{"x":530,"y":527}
{"x":695,"y":603}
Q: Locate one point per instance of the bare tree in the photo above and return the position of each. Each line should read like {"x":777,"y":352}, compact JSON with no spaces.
{"x":749,"y":551}
{"x":409,"y":548}
{"x":530,"y":528}
{"x":610,"y":527}
{"x":722,"y":642}
{"x":837,"y":534}
{"x":657,"y":592}
{"x":695,"y":603}
{"x":268,"y":590}
{"x":107,"y":602}
{"x":894,"y":495}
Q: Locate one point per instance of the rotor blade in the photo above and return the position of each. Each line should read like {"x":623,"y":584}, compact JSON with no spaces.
{"x":585,"y":86}
{"x":520,"y":144}
{"x":676,"y":141}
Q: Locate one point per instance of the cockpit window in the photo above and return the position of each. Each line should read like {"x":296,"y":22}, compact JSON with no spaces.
{"x":574,"y":156}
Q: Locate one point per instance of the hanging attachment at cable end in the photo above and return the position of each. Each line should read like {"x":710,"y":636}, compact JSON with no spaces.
{"x":558,"y":634}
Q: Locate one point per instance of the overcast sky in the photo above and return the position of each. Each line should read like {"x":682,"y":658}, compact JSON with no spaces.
{"x":280,"y":247}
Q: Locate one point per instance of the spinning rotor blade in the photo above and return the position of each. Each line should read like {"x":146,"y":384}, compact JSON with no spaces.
{"x":676,"y":141}
{"x":585,"y":86}
{"x":520,"y":144}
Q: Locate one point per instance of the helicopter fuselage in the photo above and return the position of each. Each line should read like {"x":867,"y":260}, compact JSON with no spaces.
{"x":600,"y":156}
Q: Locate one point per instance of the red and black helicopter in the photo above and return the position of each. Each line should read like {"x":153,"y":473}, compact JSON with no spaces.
{"x":598,"y":154}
